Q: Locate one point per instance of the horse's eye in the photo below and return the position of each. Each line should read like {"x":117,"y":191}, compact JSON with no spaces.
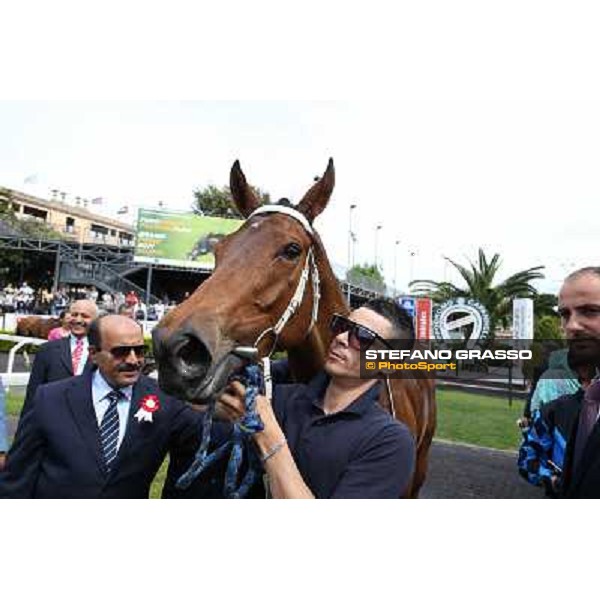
{"x":291,"y":251}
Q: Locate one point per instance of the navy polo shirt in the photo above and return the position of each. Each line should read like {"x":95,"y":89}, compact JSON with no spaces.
{"x":358,"y":452}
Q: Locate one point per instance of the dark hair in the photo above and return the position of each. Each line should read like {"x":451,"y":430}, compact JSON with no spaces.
{"x":94,"y":332}
{"x":399,"y":318}
{"x":584,"y":271}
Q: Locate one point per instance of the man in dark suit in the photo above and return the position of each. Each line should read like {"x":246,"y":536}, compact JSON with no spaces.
{"x":66,"y":357}
{"x":103,"y":434}
{"x":568,"y":428}
{"x":579,"y":309}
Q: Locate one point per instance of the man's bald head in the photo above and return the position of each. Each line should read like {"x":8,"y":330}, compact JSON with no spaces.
{"x":111,"y":323}
{"x":86,"y":305}
{"x":579,"y":310}
{"x":584,"y":272}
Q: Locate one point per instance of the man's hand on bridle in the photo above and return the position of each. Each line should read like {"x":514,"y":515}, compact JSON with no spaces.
{"x":231,"y":404}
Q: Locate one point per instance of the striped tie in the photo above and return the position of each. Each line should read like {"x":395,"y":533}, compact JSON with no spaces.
{"x":109,"y":429}
{"x":77,"y":352}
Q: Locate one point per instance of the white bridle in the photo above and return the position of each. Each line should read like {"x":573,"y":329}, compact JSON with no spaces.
{"x":310,"y":268}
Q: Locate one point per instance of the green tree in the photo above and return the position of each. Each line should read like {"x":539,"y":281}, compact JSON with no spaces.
{"x":367,"y":276}
{"x":479,"y":279}
{"x":547,"y":337}
{"x":545,"y":305}
{"x":19,"y":265}
{"x":217,"y":202}
{"x":26,"y":227}
{"x":547,"y":327}
{"x":7,"y":215}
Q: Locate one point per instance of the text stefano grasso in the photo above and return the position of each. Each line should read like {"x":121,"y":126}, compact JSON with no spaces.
{"x":148,"y":405}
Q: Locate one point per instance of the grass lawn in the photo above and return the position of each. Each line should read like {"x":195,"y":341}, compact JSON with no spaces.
{"x":159,"y":480}
{"x":14,"y":403}
{"x":480,"y":420}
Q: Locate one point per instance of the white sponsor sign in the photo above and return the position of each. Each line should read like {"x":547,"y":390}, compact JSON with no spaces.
{"x":523,"y":319}
{"x":461,"y":319}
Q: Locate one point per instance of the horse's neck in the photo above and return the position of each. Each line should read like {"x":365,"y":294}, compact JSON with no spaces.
{"x":307,"y":359}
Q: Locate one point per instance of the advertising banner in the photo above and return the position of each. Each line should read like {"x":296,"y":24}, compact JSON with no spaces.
{"x":408,"y":304}
{"x":179,"y":239}
{"x":523,"y":318}
{"x":423,"y":318}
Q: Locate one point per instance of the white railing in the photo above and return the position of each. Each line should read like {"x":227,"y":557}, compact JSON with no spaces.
{"x":8,"y":377}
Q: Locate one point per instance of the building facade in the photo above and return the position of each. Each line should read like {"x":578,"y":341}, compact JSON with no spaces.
{"x":73,"y":223}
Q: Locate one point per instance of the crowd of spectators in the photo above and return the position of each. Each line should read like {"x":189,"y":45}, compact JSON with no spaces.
{"x":24,"y":300}
{"x":20,"y":300}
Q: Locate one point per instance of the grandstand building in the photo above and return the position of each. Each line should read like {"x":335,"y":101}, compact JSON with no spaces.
{"x":99,"y":251}
{"x":73,"y":223}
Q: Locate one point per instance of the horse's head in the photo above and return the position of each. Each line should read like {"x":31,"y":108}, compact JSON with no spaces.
{"x":254,"y":297}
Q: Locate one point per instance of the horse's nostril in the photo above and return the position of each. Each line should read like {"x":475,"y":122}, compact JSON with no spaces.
{"x":194,"y":357}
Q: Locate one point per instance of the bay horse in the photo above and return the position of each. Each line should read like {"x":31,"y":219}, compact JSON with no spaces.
{"x":36,"y":327}
{"x":273,"y":285}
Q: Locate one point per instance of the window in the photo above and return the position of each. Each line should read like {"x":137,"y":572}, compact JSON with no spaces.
{"x":36,"y":213}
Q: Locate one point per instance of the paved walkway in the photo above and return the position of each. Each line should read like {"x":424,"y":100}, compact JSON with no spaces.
{"x":462,"y":471}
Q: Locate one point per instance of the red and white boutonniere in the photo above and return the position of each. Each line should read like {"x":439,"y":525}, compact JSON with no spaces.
{"x":148,"y":405}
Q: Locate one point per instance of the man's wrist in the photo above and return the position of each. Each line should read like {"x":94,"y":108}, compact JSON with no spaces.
{"x":273,"y":450}
{"x":265,"y":440}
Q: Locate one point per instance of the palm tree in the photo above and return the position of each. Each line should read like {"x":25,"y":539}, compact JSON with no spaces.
{"x":479,"y":279}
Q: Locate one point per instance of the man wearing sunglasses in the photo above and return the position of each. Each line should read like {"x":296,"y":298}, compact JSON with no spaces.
{"x":330,"y":438}
{"x":103,"y":434}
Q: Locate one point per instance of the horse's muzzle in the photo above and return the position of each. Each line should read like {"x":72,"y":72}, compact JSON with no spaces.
{"x":184,"y":361}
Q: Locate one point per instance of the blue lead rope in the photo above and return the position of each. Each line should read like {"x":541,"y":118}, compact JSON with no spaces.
{"x":240,"y":444}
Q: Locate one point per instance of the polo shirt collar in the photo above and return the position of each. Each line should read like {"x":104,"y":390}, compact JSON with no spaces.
{"x":316,"y":390}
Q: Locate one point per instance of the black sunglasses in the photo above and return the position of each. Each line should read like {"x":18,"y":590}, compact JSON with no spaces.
{"x":359,"y":336}
{"x":122,"y":352}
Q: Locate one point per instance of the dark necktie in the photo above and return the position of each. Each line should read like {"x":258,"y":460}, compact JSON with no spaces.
{"x":587,"y":419}
{"x":109,"y":429}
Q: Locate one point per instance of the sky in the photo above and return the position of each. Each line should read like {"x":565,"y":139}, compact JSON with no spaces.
{"x":484,"y":133}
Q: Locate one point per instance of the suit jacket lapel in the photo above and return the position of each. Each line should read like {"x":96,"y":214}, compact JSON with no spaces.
{"x":79,"y":400}
{"x":590,"y":452}
{"x":65,"y":354}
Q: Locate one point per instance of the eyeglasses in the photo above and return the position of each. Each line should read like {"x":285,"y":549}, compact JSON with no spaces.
{"x":359,"y":336}
{"x":122,"y":352}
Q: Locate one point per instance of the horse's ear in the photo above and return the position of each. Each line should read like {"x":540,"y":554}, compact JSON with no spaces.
{"x":243,"y":196}
{"x":316,"y":199}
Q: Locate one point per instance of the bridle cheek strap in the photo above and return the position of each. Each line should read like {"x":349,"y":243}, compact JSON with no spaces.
{"x":310,"y":267}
